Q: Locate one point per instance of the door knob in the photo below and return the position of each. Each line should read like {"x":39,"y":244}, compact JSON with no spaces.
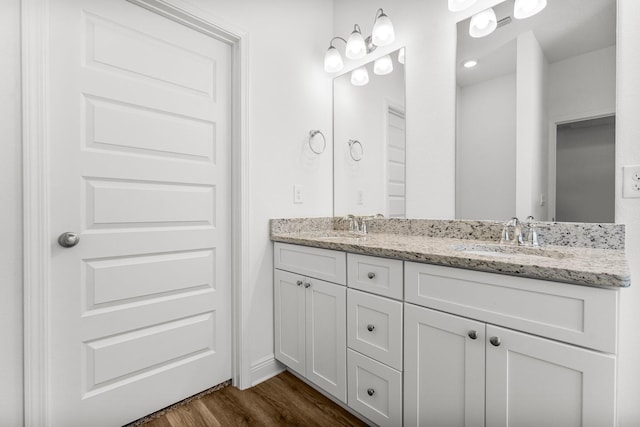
{"x":68,"y":239}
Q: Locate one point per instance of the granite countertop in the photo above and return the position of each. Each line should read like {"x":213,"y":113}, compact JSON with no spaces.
{"x":585,"y":263}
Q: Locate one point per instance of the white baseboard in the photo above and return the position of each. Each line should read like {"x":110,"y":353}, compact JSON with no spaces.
{"x":264,"y":369}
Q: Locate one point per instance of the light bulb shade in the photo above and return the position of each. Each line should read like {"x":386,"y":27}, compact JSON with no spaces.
{"x":383,"y":33}
{"x":483,"y":23}
{"x":356,"y":47}
{"x":333,"y":60}
{"x":383,"y":65}
{"x":458,"y":5}
{"x":401,"y":56}
{"x":527,"y":8}
{"x":360,"y":76}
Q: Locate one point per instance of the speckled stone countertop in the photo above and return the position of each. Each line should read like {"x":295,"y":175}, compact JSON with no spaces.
{"x":581,"y":254}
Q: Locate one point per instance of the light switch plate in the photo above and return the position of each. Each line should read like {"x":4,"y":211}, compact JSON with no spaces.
{"x":631,"y":182}
{"x":298,"y":194}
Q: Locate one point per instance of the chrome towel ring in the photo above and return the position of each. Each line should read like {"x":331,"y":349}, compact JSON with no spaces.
{"x":355,"y":150}
{"x":312,"y":137}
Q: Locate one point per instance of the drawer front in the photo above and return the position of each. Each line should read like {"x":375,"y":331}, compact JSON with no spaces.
{"x":374,"y":390}
{"x":374,"y":327}
{"x":580,"y":315}
{"x":322,"y":264}
{"x":380,"y":276}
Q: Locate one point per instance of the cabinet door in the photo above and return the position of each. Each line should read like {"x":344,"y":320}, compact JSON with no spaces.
{"x":326,"y":336}
{"x":533,"y":381}
{"x":289,"y":306}
{"x":444,"y":369}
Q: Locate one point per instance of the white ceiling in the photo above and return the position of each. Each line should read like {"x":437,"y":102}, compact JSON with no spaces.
{"x":565,"y":28}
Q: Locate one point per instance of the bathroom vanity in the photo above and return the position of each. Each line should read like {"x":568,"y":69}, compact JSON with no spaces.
{"x":407,"y":326}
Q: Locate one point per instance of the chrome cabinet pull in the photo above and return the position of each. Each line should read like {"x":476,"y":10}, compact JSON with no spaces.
{"x":495,"y":341}
{"x":371,"y":275}
{"x":370,"y":391}
{"x":307,"y":285}
{"x":299,"y":283}
{"x":370,"y":328}
{"x":68,"y":239}
{"x":473,"y":335}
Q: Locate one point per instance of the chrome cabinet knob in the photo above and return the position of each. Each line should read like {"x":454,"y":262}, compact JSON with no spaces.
{"x":370,"y":391}
{"x":307,"y":285}
{"x":299,"y":283}
{"x":371,"y":275}
{"x":370,"y":328}
{"x":473,"y":335}
{"x":68,"y":239}
{"x":495,"y":341}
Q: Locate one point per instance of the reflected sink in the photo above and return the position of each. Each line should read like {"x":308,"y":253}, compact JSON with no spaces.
{"x":505,"y":251}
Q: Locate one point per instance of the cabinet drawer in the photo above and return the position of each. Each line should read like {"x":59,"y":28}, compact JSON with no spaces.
{"x":575,"y":314}
{"x":374,"y":390}
{"x":322,"y":264}
{"x":380,"y":276}
{"x":374,"y":327}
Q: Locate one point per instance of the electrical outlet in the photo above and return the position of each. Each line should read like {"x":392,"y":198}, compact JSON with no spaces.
{"x":298,"y":194}
{"x":631,"y":182}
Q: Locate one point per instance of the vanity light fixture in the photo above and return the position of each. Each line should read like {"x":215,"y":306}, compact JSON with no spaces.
{"x":383,"y":65}
{"x":527,"y":8}
{"x":483,"y":23}
{"x":360,"y":76}
{"x":401,"y":56}
{"x":458,"y":5}
{"x":358,"y":46}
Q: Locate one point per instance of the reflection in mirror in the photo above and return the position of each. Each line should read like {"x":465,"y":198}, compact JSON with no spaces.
{"x":369,"y":142}
{"x":533,"y":79}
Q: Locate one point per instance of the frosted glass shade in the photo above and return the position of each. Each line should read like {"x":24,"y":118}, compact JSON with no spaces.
{"x":383,"y":33}
{"x":483,"y":23}
{"x":401,"y":56}
{"x":527,"y":8}
{"x":360,"y":76}
{"x":458,"y":5}
{"x":356,"y":48}
{"x":383,"y":65}
{"x":333,"y":60}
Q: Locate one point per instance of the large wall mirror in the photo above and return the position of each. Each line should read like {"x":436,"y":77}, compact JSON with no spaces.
{"x":535,"y":116}
{"x":369,"y":139}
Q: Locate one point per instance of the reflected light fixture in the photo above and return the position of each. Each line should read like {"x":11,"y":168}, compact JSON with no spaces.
{"x":483,"y":23}
{"x":527,"y":8}
{"x":470,"y":63}
{"x":360,"y":76}
{"x":458,"y":5}
{"x":383,"y":65}
{"x":358,"y":46}
{"x":401,"y":56}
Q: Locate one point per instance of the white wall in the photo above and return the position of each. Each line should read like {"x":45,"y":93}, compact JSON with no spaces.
{"x":485,"y":151}
{"x":10,"y":217}
{"x":628,"y":210}
{"x":531,"y":128}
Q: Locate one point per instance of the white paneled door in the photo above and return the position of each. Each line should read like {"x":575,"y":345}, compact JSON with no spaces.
{"x":139,"y":309}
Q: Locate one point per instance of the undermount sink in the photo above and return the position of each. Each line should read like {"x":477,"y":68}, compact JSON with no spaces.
{"x":339,"y":234}
{"x":505,"y":251}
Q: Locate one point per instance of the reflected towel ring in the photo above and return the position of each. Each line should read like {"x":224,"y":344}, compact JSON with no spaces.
{"x":355,"y":150}
{"x":312,"y":134}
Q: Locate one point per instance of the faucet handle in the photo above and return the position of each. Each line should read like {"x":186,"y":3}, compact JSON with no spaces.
{"x":532,"y":232}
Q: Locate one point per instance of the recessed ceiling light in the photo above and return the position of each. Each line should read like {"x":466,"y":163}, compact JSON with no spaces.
{"x":469,"y":63}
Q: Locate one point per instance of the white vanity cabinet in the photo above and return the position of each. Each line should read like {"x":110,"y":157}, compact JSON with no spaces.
{"x":468,"y":367}
{"x":374,"y":338}
{"x":310,"y":315}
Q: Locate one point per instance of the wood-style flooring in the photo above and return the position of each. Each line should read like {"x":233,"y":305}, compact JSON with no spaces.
{"x":283,"y":400}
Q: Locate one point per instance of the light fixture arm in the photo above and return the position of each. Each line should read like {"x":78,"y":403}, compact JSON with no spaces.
{"x":379,"y":13}
{"x":336,"y":38}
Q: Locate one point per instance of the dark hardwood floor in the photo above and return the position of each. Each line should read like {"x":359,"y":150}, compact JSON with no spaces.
{"x":283,"y":400}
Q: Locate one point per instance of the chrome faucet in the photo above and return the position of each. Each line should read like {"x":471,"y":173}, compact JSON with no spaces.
{"x":531,"y":238}
{"x":358,"y":224}
{"x":353,"y":222}
{"x":512,"y":232}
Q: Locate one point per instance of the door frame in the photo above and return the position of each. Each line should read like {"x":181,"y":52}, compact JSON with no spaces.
{"x":36,"y":207}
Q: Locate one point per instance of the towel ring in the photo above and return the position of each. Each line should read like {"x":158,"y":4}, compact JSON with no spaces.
{"x":355,"y":150}
{"x":312,"y":135}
